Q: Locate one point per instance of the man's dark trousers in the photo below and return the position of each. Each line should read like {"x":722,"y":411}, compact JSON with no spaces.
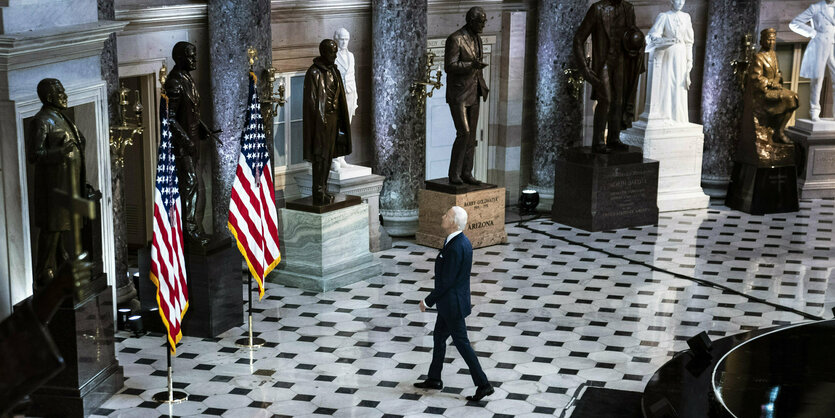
{"x":455,"y":327}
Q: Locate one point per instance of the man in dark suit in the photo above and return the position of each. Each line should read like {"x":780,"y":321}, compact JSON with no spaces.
{"x":465,"y":84}
{"x":452,"y":295}
{"x":616,"y":64}
{"x":327,"y":126}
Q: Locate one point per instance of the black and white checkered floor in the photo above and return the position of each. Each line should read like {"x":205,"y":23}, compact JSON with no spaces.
{"x":554,"y":308}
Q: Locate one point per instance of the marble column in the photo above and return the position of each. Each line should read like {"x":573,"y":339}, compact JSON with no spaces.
{"x":125,"y":291}
{"x":233,"y":27}
{"x":558,"y":116}
{"x":728,"y":22}
{"x":398,"y":30}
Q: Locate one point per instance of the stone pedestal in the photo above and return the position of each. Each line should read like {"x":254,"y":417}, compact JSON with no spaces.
{"x":325,"y":251}
{"x":597,"y":192}
{"x":485,"y":216}
{"x":368,"y":189}
{"x":214,"y":289}
{"x":760,"y":189}
{"x":816,"y":174}
{"x":678,"y":149}
{"x":83,"y":333}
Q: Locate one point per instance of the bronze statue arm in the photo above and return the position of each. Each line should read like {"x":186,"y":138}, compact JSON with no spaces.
{"x":180,"y":136}
{"x":38,"y":152}
{"x":756,"y":76}
{"x":580,"y":37}
{"x":452,"y":59}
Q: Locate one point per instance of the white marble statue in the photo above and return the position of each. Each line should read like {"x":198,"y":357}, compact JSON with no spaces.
{"x":670,"y":47}
{"x":345,"y":64}
{"x":817,"y":22}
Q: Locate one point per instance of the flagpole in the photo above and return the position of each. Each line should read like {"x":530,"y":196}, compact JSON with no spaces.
{"x":250,"y":342}
{"x":170,"y":396}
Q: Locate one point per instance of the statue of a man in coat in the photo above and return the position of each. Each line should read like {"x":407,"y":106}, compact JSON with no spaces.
{"x":55,"y":147}
{"x":327,"y":126}
{"x":817,"y":22}
{"x":617,"y":61}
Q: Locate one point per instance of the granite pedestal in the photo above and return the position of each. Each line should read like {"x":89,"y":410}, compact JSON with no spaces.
{"x":485,"y":206}
{"x":327,"y":250}
{"x":214,"y":289}
{"x":597,"y":192}
{"x":816,"y":142}
{"x":678,"y":149}
{"x":761,"y":189}
{"x":83,"y":333}
{"x":367,"y":187}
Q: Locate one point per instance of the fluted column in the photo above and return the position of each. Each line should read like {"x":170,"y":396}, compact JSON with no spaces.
{"x":398,"y":29}
{"x":728,"y":22}
{"x":558,"y":116}
{"x":233,"y":26}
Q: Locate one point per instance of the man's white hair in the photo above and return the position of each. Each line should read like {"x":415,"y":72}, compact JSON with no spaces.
{"x":460,"y":217}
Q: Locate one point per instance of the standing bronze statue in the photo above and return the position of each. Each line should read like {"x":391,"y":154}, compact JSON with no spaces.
{"x":186,"y":129}
{"x":767,"y":108}
{"x":463,"y":54}
{"x":616,"y":63}
{"x":327,"y":126}
{"x":56,"y":149}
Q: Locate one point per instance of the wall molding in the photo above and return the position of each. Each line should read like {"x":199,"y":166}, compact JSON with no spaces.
{"x":156,"y":18}
{"x":37,"y":48}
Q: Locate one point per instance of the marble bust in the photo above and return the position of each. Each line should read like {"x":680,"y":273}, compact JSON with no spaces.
{"x":817,"y":22}
{"x":670,"y":47}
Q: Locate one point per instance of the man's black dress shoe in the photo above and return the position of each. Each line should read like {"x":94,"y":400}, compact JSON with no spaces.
{"x":470,"y":180}
{"x":481,"y":392}
{"x":433,"y":384}
{"x":455,"y":180}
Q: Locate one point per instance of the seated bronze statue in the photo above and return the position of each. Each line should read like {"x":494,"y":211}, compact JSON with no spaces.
{"x":767,"y":109}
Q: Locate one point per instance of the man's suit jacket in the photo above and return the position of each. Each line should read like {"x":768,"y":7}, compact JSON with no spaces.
{"x":452,"y":278}
{"x":464,"y":84}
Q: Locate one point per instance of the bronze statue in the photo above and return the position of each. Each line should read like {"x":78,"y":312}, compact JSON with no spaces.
{"x":767,"y":108}
{"x":186,"y":129}
{"x":56,"y":149}
{"x":327,"y":126}
{"x":616,"y":64}
{"x":465,"y":85}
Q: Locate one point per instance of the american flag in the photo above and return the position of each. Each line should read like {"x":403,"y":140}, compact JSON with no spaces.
{"x":168,"y":270}
{"x":252,"y":215}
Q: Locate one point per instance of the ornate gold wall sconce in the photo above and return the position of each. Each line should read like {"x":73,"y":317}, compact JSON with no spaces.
{"x":575,"y":81}
{"x":418,"y":90}
{"x":272,"y":100}
{"x":122,"y":133}
{"x":740,"y":66}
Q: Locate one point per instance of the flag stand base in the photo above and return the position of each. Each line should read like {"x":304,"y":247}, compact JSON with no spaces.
{"x":250,"y":342}
{"x":174,"y":397}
